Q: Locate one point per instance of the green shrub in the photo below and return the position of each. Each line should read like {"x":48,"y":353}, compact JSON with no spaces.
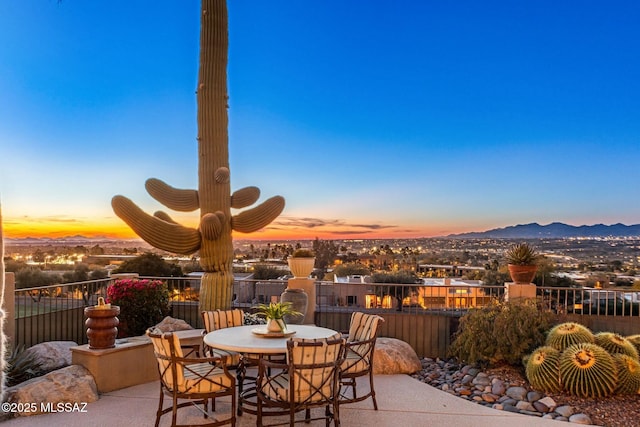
{"x":22,"y":365}
{"x":266,"y":272}
{"x":500,"y":333}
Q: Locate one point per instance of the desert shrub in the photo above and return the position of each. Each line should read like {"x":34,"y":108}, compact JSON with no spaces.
{"x":22,"y":365}
{"x":266,"y":272}
{"x":500,"y":333}
{"x":143,"y":303}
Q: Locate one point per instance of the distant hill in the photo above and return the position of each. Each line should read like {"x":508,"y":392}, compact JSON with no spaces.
{"x":554,"y":230}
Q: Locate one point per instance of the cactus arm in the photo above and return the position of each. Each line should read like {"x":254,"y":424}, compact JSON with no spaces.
{"x":164,"y":216}
{"x":256,"y":218}
{"x":221,"y":175}
{"x":182,"y":200}
{"x":244,"y":197}
{"x":211,"y":225}
{"x":161,"y":234}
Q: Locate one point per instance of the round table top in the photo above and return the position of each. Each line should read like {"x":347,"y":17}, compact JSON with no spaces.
{"x":243,"y":340}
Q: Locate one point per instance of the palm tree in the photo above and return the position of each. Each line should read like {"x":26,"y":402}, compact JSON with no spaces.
{"x":213,"y":197}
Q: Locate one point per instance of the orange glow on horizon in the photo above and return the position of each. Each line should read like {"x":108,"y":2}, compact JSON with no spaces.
{"x":114,"y":228}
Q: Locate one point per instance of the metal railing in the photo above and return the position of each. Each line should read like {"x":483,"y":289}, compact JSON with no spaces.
{"x":425,"y":316}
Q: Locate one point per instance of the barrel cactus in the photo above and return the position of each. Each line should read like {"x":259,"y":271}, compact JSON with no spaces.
{"x":566,"y":334}
{"x":588,"y":370}
{"x":635,"y":340}
{"x":616,"y":344}
{"x":543,"y":369}
{"x":628,"y":374}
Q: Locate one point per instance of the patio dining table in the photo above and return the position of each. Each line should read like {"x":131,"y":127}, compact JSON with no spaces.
{"x":253,"y":339}
{"x":254,"y":342}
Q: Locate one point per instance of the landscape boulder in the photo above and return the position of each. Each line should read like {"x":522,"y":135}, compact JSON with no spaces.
{"x":71,"y":385}
{"x":169,"y":324}
{"x":51,"y":355}
{"x":394,"y":356}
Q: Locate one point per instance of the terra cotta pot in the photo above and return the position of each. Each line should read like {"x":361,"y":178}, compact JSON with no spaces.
{"x":522,"y":273}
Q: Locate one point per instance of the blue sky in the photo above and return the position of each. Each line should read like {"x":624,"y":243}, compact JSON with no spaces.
{"x":371,"y":118}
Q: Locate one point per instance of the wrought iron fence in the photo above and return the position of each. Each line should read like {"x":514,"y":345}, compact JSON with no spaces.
{"x":424,"y":315}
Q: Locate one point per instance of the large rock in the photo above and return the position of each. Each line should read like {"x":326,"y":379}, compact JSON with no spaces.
{"x":51,"y":355}
{"x":73,"y":384}
{"x":393,"y":356}
{"x":169,"y":324}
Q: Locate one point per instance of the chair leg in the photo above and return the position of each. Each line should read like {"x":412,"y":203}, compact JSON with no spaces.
{"x":307,"y":415}
{"x":174,"y":412}
{"x":241,"y":371}
{"x":373,"y":392}
{"x":160,"y":403}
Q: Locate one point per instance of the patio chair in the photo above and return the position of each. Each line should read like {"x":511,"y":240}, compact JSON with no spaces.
{"x":195,"y":379}
{"x":309,"y":379}
{"x":358,"y":362}
{"x":218,"y":319}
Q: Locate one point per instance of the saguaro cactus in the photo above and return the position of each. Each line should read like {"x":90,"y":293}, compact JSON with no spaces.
{"x":213,"y":197}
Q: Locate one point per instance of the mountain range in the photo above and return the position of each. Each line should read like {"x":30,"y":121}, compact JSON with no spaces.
{"x":555,"y":230}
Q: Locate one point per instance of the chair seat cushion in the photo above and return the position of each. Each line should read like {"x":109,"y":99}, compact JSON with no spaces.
{"x":231,"y":358}
{"x":353,"y":363}
{"x":194,"y":382}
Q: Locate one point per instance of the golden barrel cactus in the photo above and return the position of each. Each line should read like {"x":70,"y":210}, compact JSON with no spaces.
{"x":543,"y":369}
{"x":588,"y":370}
{"x":628,"y":374}
{"x":566,"y":334}
{"x":635,"y":340}
{"x":616,"y":344}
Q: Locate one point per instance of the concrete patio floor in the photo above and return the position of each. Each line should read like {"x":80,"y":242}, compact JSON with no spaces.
{"x":402,"y":401}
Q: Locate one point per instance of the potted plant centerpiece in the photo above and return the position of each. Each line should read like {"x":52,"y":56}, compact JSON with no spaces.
{"x":522,"y":261}
{"x":274,"y":313}
{"x":301,"y":263}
